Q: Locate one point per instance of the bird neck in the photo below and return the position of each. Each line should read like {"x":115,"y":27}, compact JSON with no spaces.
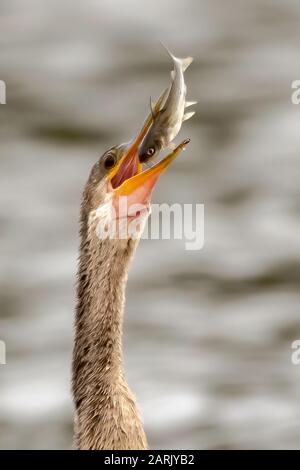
{"x":106,"y":416}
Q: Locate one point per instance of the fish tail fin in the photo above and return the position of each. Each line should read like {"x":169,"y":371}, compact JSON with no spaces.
{"x":184,"y":63}
{"x":188,"y":116}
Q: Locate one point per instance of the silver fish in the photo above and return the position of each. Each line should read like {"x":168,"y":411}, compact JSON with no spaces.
{"x":168,"y":120}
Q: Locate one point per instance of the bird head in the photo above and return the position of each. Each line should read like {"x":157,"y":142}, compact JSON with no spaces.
{"x":118,"y":192}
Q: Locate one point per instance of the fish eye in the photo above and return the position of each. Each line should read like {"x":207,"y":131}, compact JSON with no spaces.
{"x":150,"y":151}
{"x":110,"y":160}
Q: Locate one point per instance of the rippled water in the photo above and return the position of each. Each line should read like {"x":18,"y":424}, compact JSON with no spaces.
{"x":207,"y":334}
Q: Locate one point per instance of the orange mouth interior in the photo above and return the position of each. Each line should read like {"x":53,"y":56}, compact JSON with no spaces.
{"x":128,"y":179}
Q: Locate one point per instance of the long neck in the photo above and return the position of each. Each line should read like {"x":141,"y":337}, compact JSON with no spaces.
{"x":105,"y":412}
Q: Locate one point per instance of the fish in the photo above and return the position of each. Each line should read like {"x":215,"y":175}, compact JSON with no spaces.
{"x":167,"y":121}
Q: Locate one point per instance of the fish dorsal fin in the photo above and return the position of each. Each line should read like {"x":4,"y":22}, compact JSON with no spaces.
{"x":152,"y":109}
{"x":189,"y":103}
{"x":188,"y":115}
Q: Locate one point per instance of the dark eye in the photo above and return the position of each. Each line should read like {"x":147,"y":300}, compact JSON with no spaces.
{"x":110,"y":161}
{"x":150,"y":151}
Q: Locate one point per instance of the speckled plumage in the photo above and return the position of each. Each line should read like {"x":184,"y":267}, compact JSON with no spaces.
{"x":106,"y":416}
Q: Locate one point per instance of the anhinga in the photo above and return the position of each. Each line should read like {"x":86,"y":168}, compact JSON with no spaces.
{"x":106,"y":415}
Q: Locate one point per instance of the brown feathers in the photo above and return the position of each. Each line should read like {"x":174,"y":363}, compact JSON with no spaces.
{"x":106,"y":416}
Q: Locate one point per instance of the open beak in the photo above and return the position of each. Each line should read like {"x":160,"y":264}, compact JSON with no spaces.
{"x":129,"y":164}
{"x":128,"y":179}
{"x":139,"y":187}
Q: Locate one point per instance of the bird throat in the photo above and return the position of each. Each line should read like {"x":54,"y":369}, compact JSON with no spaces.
{"x":106,"y":415}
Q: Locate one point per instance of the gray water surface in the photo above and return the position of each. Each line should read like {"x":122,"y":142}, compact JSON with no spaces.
{"x":207,"y":334}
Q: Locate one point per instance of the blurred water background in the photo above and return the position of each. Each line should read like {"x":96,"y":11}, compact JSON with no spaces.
{"x":207,"y":334}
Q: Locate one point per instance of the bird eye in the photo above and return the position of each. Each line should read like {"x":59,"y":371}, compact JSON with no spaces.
{"x":110,"y":161}
{"x":150,"y":151}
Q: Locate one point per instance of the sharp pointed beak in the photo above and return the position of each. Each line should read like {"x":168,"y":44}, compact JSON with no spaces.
{"x":139,"y":187}
{"x":129,"y":165}
{"x":128,"y":179}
